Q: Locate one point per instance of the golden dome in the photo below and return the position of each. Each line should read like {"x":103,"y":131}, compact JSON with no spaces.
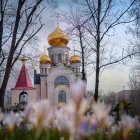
{"x":58,"y":38}
{"x":75,"y":59}
{"x":45,"y":59}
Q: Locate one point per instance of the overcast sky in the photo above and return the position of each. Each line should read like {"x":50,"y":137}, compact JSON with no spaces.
{"x":113,"y":79}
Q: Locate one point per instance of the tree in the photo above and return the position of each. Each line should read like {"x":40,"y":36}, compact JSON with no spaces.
{"x":101,"y":18}
{"x":134,"y":78}
{"x":109,"y":98}
{"x":135,"y":29}
{"x":19,"y":24}
{"x":77,"y":34}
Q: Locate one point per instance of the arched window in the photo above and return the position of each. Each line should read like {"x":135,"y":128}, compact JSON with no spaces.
{"x":62,"y":96}
{"x":61,"y":80}
{"x":46,"y":71}
{"x":41,"y":70}
{"x":23,"y":97}
{"x":52,"y":58}
{"x":59,"y":57}
{"x":66,"y":57}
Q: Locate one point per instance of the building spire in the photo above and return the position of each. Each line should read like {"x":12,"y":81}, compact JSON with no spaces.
{"x":23,"y":81}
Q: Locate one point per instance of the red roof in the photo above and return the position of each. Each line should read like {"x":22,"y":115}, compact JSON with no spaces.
{"x":24,"y":81}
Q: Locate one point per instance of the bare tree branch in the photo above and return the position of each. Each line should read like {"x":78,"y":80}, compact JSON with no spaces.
{"x":25,"y":44}
{"x":119,"y":60}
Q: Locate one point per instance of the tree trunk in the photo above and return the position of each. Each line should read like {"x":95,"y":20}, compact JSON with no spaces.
{"x":83,"y":65}
{"x":97,"y":53}
{"x":30,"y":18}
{"x":5,"y":81}
{"x":97,"y":75}
{"x":1,"y":25}
{"x":10,"y":57}
{"x":82,"y":51}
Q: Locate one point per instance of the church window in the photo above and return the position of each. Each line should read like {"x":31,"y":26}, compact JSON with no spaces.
{"x":61,"y":80}
{"x":23,"y":97}
{"x":59,"y":57}
{"x":41,"y":70}
{"x":66,"y":57}
{"x":45,"y":70}
{"x":62,"y":96}
{"x":52,"y":58}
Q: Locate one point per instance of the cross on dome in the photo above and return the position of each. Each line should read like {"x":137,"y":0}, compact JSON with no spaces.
{"x":58,"y":19}
{"x":45,"y":50}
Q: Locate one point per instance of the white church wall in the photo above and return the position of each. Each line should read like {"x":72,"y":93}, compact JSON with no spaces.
{"x":55,"y":72}
{"x":43,"y":87}
{"x":38,"y":92}
{"x":56,"y":50}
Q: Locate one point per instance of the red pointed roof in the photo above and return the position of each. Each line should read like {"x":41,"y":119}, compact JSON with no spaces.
{"x":24,"y":81}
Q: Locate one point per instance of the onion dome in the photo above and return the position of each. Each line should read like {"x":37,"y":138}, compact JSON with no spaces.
{"x":75,"y":59}
{"x":45,"y":59}
{"x":58,"y":38}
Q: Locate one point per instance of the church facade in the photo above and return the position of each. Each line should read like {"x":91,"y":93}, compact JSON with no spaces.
{"x":58,"y":71}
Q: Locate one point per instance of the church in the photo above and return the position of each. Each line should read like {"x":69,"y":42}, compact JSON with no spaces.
{"x":58,"y":71}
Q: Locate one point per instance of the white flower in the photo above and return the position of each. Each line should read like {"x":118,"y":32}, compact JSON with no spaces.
{"x":102,"y":111}
{"x":64,"y":119}
{"x":28,"y":112}
{"x":42,"y":108}
{"x":10,"y":120}
{"x":114,"y":129}
{"x":78,"y":91}
{"x":128,"y":122}
{"x":38,"y":113}
{"x":83,"y":107}
{"x":93,"y":120}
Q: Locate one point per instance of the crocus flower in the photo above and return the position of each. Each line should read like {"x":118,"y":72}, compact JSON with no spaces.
{"x":102,"y":111}
{"x":78,"y":91}
{"x":128,"y":123}
{"x":85,"y":126}
{"x":29,"y":116}
{"x":41,"y":111}
{"x":10,"y":121}
{"x":64,"y":119}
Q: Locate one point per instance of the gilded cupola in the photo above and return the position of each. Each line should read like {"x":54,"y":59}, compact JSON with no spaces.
{"x":58,"y":38}
{"x":45,"y":59}
{"x":75,"y":59}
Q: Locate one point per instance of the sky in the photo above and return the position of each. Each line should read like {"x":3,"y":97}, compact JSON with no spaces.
{"x":113,"y":79}
{"x":116,"y":77}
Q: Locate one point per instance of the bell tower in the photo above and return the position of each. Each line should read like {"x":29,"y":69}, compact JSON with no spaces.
{"x":23,"y":84}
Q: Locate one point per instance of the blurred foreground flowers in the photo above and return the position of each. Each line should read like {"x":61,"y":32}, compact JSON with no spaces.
{"x":72,"y":121}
